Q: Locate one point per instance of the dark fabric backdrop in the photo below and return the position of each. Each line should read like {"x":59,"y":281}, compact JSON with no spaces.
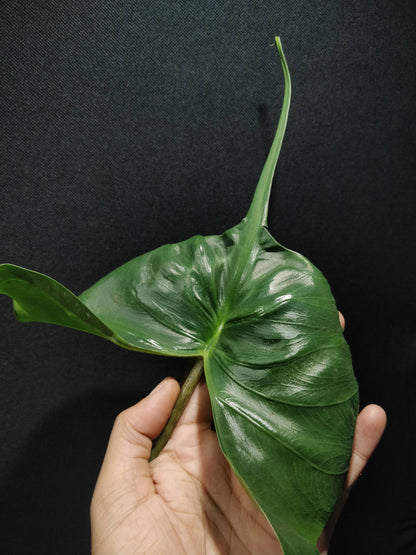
{"x":129,"y":124}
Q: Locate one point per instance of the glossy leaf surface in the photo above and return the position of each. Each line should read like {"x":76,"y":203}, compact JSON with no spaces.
{"x":278,"y":370}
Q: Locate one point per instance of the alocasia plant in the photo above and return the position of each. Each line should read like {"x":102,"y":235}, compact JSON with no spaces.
{"x":262,"y":323}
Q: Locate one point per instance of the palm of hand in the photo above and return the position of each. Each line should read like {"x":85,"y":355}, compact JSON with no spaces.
{"x":187,"y":500}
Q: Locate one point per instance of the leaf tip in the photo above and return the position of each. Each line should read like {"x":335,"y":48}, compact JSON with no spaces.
{"x":279,"y":45}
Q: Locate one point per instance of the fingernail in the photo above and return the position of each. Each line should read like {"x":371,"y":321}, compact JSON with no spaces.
{"x":159,"y":386}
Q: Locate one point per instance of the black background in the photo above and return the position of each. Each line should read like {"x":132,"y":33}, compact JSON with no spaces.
{"x":130,"y":124}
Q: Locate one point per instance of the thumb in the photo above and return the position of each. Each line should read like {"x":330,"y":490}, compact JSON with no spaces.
{"x":130,"y":442}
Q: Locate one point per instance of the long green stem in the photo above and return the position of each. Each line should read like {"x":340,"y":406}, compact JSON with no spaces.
{"x":257,"y":214}
{"x":188,"y":387}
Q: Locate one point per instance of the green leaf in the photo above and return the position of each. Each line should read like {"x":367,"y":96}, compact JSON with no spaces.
{"x":263,"y":319}
{"x":39,"y":298}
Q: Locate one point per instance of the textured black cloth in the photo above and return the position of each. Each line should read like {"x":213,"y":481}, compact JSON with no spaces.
{"x":129,"y":124}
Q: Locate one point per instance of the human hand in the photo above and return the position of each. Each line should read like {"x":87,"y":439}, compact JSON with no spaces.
{"x":188,"y":500}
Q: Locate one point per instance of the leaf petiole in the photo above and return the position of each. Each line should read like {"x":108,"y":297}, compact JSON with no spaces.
{"x":188,"y":387}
